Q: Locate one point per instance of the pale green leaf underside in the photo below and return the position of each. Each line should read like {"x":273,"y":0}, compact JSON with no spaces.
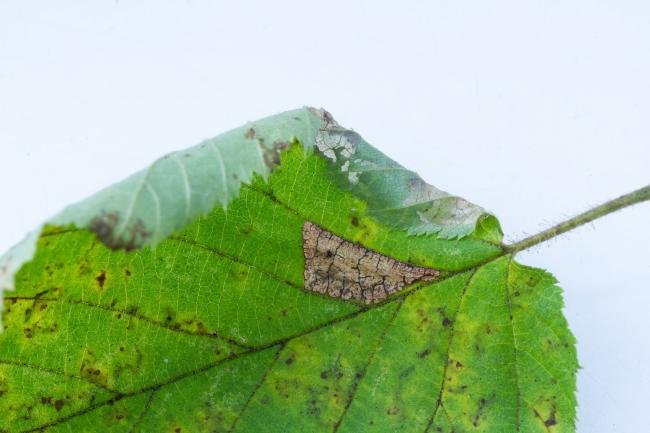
{"x":151,"y":204}
{"x":212,"y":331}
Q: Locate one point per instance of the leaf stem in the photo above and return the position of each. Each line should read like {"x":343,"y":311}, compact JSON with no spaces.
{"x":621,"y":202}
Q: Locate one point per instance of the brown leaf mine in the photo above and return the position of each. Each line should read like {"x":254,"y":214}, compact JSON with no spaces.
{"x":342,"y":269}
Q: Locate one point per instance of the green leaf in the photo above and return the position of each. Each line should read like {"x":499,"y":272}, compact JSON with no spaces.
{"x":285,"y":276}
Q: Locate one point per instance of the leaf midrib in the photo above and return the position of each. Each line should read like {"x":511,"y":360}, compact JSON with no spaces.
{"x":251,"y":351}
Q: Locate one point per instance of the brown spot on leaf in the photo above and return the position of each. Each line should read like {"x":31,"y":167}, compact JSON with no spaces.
{"x":250,"y":134}
{"x":272,"y":155}
{"x":480,"y":412}
{"x":58,"y":405}
{"x":551,"y":421}
{"x":101,"y":279}
{"x":104,"y":225}
{"x":393,"y":410}
{"x":29,"y":333}
{"x":90,"y":369}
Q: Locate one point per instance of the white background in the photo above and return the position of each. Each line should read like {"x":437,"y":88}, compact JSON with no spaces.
{"x":536,"y":110}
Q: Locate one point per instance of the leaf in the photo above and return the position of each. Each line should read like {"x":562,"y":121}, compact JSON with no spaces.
{"x":334,"y":291}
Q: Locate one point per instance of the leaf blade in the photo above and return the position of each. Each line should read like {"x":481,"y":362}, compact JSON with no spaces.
{"x":221,"y":312}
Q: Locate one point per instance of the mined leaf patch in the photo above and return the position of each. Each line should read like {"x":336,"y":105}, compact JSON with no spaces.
{"x":239,"y":320}
{"x":342,"y":269}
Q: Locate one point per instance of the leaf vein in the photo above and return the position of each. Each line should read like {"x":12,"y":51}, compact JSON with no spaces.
{"x":449,"y":341}
{"x":136,"y":315}
{"x":232,"y":357}
{"x":355,"y":384}
{"x":40,"y":368}
{"x":144,"y":411}
{"x":514,"y":347}
{"x":257,"y":387}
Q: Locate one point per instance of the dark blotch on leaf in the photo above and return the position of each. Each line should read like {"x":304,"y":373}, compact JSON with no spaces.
{"x":101,"y":279}
{"x":104,"y":224}
{"x":551,"y":421}
{"x":272,"y":155}
{"x":133,"y":236}
{"x":250,"y":134}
